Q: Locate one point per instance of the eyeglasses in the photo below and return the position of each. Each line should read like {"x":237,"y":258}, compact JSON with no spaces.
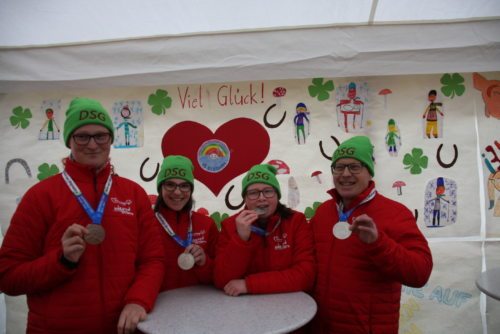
{"x":99,"y":138}
{"x":171,"y":186}
{"x":255,"y":194}
{"x":354,"y":168}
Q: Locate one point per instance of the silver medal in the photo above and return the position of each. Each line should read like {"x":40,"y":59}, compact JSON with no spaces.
{"x":185,"y":261}
{"x":341,"y":230}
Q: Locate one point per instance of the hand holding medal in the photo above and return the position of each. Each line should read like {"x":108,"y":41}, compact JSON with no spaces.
{"x":365,"y":228}
{"x":243,"y":223}
{"x":72,"y":242}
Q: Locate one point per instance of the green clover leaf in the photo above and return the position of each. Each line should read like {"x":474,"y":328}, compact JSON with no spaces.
{"x":160,"y":101}
{"x":320,"y":89}
{"x":416,"y":161}
{"x":218,"y":218}
{"x":310,"y":211}
{"x":452,"y":84}
{"x":45,"y":171}
{"x":20,"y":117}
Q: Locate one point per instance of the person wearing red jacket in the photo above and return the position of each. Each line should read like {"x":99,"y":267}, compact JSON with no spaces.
{"x":267,"y":247}
{"x":367,"y":246}
{"x":83,"y":245}
{"x":189,"y":237}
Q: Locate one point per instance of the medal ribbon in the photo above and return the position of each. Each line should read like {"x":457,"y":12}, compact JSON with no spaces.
{"x":345,"y":215}
{"x":262,"y":232}
{"x":170,"y":231}
{"x":95,"y":216}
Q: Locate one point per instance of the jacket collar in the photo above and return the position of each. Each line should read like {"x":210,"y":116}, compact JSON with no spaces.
{"x":336,"y":196}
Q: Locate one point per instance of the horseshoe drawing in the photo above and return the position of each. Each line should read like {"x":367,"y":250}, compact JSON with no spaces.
{"x":269,"y":125}
{"x":148,"y":179}
{"x":19,"y":161}
{"x":323,"y":151}
{"x":441,"y":163}
{"x":229,"y":205}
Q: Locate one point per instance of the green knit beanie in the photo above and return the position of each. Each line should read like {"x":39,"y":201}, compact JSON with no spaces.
{"x":175,"y":167}
{"x":261,"y":174}
{"x":83,"y":111}
{"x":359,"y":148}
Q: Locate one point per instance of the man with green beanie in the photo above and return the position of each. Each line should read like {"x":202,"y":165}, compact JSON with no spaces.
{"x":367,"y":246}
{"x":189,"y":237}
{"x":84,"y":244}
{"x":267,"y":247}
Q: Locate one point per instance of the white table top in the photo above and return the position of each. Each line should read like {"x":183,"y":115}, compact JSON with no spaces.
{"x":205,"y":309}
{"x":489,"y":283}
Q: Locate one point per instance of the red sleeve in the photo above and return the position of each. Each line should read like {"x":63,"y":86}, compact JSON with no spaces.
{"x":150,"y":259}
{"x":24,"y":266}
{"x":402,"y":252}
{"x":205,"y":272}
{"x":233,"y":255}
{"x":300,"y":275}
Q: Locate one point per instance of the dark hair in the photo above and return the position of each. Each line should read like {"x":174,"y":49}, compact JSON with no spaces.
{"x":432,"y":92}
{"x":283,"y":211}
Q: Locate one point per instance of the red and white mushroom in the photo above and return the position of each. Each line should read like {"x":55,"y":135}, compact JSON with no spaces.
{"x":316,"y":175}
{"x":384,"y":92}
{"x":281,"y":166}
{"x":278,"y":93}
{"x":399,"y":185}
{"x":202,"y":211}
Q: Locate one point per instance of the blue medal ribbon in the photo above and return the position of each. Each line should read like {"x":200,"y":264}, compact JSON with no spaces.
{"x":166,"y":226}
{"x":344,"y":216}
{"x":95,"y":216}
{"x":261,"y":231}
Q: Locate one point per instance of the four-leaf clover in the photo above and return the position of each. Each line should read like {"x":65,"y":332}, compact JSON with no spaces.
{"x":45,"y":171}
{"x":160,"y":101}
{"x":310,"y":211}
{"x":416,"y":161}
{"x":452,"y":84}
{"x":20,"y":117}
{"x":320,"y":89}
{"x":219,"y":218}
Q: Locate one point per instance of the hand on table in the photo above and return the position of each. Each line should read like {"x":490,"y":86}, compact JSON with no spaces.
{"x":236,"y":287}
{"x":131,"y":315}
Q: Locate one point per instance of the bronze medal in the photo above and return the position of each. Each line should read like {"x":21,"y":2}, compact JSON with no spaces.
{"x":185,"y":261}
{"x":341,"y":230}
{"x":96,"y":234}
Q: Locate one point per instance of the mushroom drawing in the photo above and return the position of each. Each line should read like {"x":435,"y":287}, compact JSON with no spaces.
{"x":316,"y":175}
{"x":281,"y":166}
{"x":399,"y":185}
{"x":278,"y":93}
{"x":385,"y":92}
{"x":202,"y":211}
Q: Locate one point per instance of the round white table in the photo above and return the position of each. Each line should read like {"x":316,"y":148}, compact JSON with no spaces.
{"x":205,"y":309}
{"x":489,"y":283}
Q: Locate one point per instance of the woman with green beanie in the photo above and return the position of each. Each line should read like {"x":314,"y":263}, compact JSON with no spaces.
{"x":189,"y":237}
{"x":267,"y":247}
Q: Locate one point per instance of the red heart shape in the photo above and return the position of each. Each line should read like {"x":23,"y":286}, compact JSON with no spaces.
{"x":246,"y":140}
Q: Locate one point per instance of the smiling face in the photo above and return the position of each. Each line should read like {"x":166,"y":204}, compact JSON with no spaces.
{"x":265,"y":206}
{"x":176,"y":193}
{"x":92,"y":154}
{"x":349,"y":185}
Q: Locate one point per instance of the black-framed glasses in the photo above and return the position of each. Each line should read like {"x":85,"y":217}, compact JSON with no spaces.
{"x":99,"y":138}
{"x":255,"y":194}
{"x":171,"y":186}
{"x":354,"y":168}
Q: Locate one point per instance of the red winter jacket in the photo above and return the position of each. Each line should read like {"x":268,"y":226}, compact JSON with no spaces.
{"x":281,"y":262}
{"x":204,"y":234}
{"x":127,"y":267}
{"x":358,"y":288}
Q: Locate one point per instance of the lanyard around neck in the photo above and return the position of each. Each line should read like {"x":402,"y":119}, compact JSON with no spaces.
{"x":170,"y":231}
{"x":95,"y":216}
{"x":343,"y":216}
{"x":262,"y":232}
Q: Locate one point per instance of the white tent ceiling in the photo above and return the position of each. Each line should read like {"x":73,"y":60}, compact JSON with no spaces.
{"x":91,"y":44}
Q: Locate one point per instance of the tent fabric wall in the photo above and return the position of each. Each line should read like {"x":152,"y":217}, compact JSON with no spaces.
{"x":261,"y":55}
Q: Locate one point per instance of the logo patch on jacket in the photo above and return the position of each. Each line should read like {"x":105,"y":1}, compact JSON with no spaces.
{"x":123,"y":207}
{"x":281,"y":243}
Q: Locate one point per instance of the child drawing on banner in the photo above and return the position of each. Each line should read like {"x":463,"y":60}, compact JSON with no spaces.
{"x":127,"y":115}
{"x":440,"y":207}
{"x":301,"y":115}
{"x":493,"y":178}
{"x":433,"y":117}
{"x":351,"y":110}
{"x":47,"y":131}
{"x":293,"y":193}
{"x":392,"y":138}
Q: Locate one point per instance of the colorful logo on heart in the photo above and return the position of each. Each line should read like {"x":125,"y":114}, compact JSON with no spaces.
{"x":218,"y":157}
{"x":213,"y":155}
